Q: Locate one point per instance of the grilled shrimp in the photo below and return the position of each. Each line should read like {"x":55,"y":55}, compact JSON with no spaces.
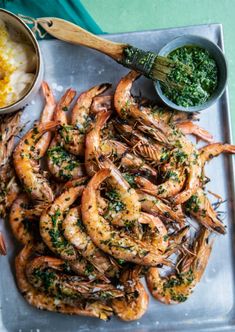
{"x":43,"y":301}
{"x":27,"y":166}
{"x":47,"y":115}
{"x":83,"y":104}
{"x":73,"y":136}
{"x":157,"y":207}
{"x":46,"y":273}
{"x":116,"y":243}
{"x":51,"y":221}
{"x":63,"y":165}
{"x":22,"y":219}
{"x":101,"y":103}
{"x":75,"y":233}
{"x":93,"y":142}
{"x":177,"y":287}
{"x":125,"y":104}
{"x":213,"y":150}
{"x":201,"y":209}
{"x":174,"y":175}
{"x":52,"y":234}
{"x":135,"y":303}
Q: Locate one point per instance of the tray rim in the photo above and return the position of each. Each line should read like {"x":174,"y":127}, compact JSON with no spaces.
{"x":202,"y":25}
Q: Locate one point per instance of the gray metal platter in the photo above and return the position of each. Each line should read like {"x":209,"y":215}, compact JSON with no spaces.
{"x":211,"y":306}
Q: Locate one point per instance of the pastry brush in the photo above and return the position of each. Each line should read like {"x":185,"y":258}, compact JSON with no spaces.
{"x":147,"y":63}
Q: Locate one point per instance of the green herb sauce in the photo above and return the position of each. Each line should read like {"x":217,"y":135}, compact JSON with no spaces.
{"x":196,"y":86}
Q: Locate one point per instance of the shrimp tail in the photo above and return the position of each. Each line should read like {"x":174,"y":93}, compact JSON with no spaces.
{"x":42,"y":127}
{"x":62,"y":106}
{"x":191,"y":128}
{"x":48,"y":93}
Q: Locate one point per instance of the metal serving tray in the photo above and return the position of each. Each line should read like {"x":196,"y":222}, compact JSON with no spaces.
{"x":211,"y":307}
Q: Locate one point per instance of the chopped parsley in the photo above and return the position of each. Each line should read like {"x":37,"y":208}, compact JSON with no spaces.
{"x":193,"y":87}
{"x":47,"y":277}
{"x":193,"y":204}
{"x":130,"y":178}
{"x":180,"y":156}
{"x":115,"y":203}
{"x":171,"y":175}
{"x":164,"y":155}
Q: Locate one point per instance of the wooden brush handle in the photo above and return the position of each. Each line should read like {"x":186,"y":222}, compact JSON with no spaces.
{"x":72,"y":33}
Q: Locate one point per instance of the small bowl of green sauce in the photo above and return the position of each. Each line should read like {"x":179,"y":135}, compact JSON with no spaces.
{"x":201,"y":82}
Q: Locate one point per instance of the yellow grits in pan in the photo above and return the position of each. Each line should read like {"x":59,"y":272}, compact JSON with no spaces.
{"x":17,"y":67}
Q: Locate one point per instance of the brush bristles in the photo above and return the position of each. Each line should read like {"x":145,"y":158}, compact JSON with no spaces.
{"x":163,"y":69}
{"x":152,"y":65}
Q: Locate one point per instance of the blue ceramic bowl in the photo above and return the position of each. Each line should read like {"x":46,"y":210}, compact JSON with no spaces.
{"x":219,"y":58}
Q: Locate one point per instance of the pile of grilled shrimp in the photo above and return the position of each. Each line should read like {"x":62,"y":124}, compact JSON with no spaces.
{"x":104,"y":194}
